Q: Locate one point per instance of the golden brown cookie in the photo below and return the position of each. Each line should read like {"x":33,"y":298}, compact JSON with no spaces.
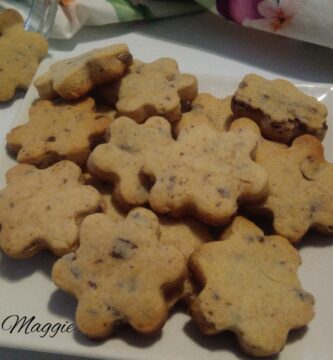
{"x":73,"y":78}
{"x":44,"y":86}
{"x":56,"y":131}
{"x":204,"y":172}
{"x":185,"y":234}
{"x":279,"y":108}
{"x":21,"y":52}
{"x":208,"y":109}
{"x":300,"y":187}
{"x":120,"y":274}
{"x":110,"y":206}
{"x":150,"y":89}
{"x":42,"y":209}
{"x":120,"y":161}
{"x":250,"y":287}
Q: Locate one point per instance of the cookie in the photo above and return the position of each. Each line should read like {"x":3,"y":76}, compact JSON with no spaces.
{"x":150,"y":89}
{"x":250,"y":287}
{"x":279,"y":108}
{"x":42,"y":209}
{"x":185,"y":234}
{"x":120,"y":273}
{"x":300,"y":187}
{"x":73,"y":78}
{"x":208,"y":109}
{"x":44,"y":86}
{"x":204,"y":172}
{"x":110,"y":206}
{"x":21,"y":52}
{"x":56,"y":131}
{"x":120,"y":161}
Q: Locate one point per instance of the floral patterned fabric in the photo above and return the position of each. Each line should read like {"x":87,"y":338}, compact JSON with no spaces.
{"x":308,"y":20}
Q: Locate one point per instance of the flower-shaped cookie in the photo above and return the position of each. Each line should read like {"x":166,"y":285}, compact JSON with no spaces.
{"x":57,"y":131}
{"x":279,"y":108}
{"x":121,"y":273}
{"x":73,"y":78}
{"x":120,"y":160}
{"x":42,"y":209}
{"x":250,"y":287}
{"x":185,"y":234}
{"x":300,"y":187}
{"x":21,"y":51}
{"x":206,"y":108}
{"x":149,"y":89}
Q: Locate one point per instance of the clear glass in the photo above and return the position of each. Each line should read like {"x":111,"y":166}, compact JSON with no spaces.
{"x":39,"y":15}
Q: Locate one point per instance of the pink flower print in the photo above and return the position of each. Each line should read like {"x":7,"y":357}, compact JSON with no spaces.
{"x":277,"y":16}
{"x":238,"y":10}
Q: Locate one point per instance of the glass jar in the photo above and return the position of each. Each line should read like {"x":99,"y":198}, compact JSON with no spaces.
{"x":39,"y":15}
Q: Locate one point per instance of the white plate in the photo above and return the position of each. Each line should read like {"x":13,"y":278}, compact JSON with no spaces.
{"x":26,"y":289}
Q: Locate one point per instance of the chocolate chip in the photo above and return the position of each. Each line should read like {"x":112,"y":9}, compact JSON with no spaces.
{"x":123,"y":249}
{"x":313,"y":209}
{"x":51,"y":139}
{"x":216,"y":296}
{"x":136,"y":215}
{"x":92,"y":284}
{"x":117,"y":254}
{"x":276,"y":125}
{"x":243,"y":85}
{"x":223,"y":192}
{"x":304,"y":296}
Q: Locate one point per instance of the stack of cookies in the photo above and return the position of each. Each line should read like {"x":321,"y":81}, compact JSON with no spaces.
{"x":126,"y":172}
